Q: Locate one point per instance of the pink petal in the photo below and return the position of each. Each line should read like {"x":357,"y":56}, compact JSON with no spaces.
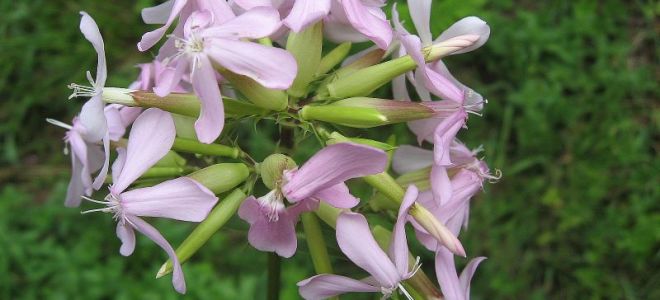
{"x":91,"y":32}
{"x":338,"y":196}
{"x":340,"y":32}
{"x":473,"y":100}
{"x":100,"y":178}
{"x":126,"y":235}
{"x":305,"y":12}
{"x":272,"y":67}
{"x":140,"y":225}
{"x":410,"y":158}
{"x":357,"y":243}
{"x":420,"y":12}
{"x":221,"y":10}
{"x":116,"y":127}
{"x":370,"y":21}
{"x":467,"y":273}
{"x":169,"y":78}
{"x":149,"y":39}
{"x":76,"y":188}
{"x":326,"y":286}
{"x":444,"y":134}
{"x":445,"y":270}
{"x":265,"y":235}
{"x":398,"y":250}
{"x":424,"y":129}
{"x":212,"y":114}
{"x":248,"y":4}
{"x":118,"y":165}
{"x":157,"y":14}
{"x":181,"y":199}
{"x":468,"y":25}
{"x":332,"y":165}
{"x":150,"y":139}
{"x":93,"y":120}
{"x":255,"y":23}
{"x":440,"y":184}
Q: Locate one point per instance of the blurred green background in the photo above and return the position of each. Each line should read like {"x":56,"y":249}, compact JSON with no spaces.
{"x":572,"y":122}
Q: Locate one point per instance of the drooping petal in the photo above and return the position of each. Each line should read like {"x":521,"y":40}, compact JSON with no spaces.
{"x":473,"y":100}
{"x":436,"y":83}
{"x":157,"y":14}
{"x":248,"y":4}
{"x":253,"y":24}
{"x":151,"y":137}
{"x":152,"y":233}
{"x":370,"y":21}
{"x":221,"y":10}
{"x":467,"y":273}
{"x":100,"y":178}
{"x":444,"y":134}
{"x":410,"y":158}
{"x":126,"y":235}
{"x":118,"y":165}
{"x":271,"y":67}
{"x":76,"y":188}
{"x":465,"y":26}
{"x":440,"y":184}
{"x":169,"y":78}
{"x":180,"y":199}
{"x":420,"y":12}
{"x":150,"y":38}
{"x":338,"y":196}
{"x":277,"y":236}
{"x":398,"y":250}
{"x":325,"y":286}
{"x":211,"y":119}
{"x":91,"y":32}
{"x":93,"y":119}
{"x":332,"y":165}
{"x":357,"y":243}
{"x":116,"y":127}
{"x":445,"y":270}
{"x":424,"y":129}
{"x":305,"y":12}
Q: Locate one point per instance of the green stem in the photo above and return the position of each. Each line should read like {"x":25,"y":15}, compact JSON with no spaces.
{"x":274,"y":274}
{"x":316,"y":244}
{"x":385,"y":184}
{"x":192,"y":146}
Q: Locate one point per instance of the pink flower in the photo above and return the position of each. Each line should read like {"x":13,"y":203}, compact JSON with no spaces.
{"x":151,"y":137}
{"x":452,"y":286}
{"x":344,"y":20}
{"x":204,"y":43}
{"x":355,"y":240}
{"x":321,"y":178}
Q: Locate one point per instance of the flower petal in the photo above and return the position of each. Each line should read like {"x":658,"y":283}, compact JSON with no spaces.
{"x":370,"y":21}
{"x":420,"y":12}
{"x":398,"y":250}
{"x":305,"y":12}
{"x":440,"y":184}
{"x":93,"y":120}
{"x":467,"y":273}
{"x":326,"y":285}
{"x":473,"y":100}
{"x":444,"y":134}
{"x":332,"y":165}
{"x":255,"y":23}
{"x":410,"y":158}
{"x":152,"y":233}
{"x":100,"y":178}
{"x":170,"y":77}
{"x":357,"y":243}
{"x":271,"y":67}
{"x":181,"y":199}
{"x":338,"y":196}
{"x":157,"y":14}
{"x":211,"y":119}
{"x":126,"y":235}
{"x":445,"y":270}
{"x":91,"y":32}
{"x":76,"y":188}
{"x":467,"y":25}
{"x":150,"y":139}
{"x":150,"y":38}
{"x":277,"y":236}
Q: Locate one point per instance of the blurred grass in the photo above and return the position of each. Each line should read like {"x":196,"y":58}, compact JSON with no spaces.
{"x":572,"y":122}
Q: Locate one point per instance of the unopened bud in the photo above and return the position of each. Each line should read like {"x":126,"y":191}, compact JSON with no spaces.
{"x":220,"y":178}
{"x":336,"y":137}
{"x":419,"y":178}
{"x":305,"y":46}
{"x":333,"y":58}
{"x":436,"y":229}
{"x":361,"y":112}
{"x":259,"y":95}
{"x":273,"y":167}
{"x":450,"y":46}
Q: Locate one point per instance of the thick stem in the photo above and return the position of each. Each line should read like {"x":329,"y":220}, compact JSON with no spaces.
{"x":192,"y":146}
{"x":316,"y":244}
{"x":274,"y":274}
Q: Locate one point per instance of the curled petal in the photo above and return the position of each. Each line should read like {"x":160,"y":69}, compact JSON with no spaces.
{"x":150,"y":38}
{"x":305,"y":12}
{"x":420,"y":12}
{"x":370,"y":21}
{"x":140,"y":225}
{"x":445,"y":270}
{"x":181,"y":199}
{"x":211,"y":119}
{"x":338,"y":196}
{"x":444,"y":134}
{"x":76,"y":188}
{"x":170,"y":77}
{"x":91,"y":32}
{"x":93,"y":119}
{"x":325,"y":286}
{"x":332,"y":165}
{"x":467,"y":26}
{"x":440,"y":184}
{"x":253,"y":24}
{"x":157,"y":14}
{"x":398,"y":250}
{"x":467,"y":273}
{"x":126,"y":235}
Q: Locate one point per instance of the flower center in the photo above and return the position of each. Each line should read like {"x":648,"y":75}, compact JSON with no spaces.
{"x":272,"y":204}
{"x":112,"y":205}
{"x":85,"y":91}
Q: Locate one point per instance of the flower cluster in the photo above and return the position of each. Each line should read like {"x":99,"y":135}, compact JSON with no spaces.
{"x":227,"y":62}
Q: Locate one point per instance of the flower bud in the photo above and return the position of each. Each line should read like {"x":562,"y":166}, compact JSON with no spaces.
{"x":369,"y":59}
{"x":203,"y":232}
{"x":333,"y":58}
{"x":220,"y":178}
{"x":436,"y":229}
{"x":361,"y":112}
{"x":273,"y":167}
{"x":419,"y":178}
{"x":305,"y":46}
{"x":259,"y":95}
{"x":336,"y":137}
{"x":193,"y":146}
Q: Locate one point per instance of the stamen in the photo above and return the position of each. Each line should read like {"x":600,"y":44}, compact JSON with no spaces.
{"x":82,"y":91}
{"x":405,"y":292}
{"x":59,"y":124}
{"x":104,"y":202}
{"x":272,"y":204}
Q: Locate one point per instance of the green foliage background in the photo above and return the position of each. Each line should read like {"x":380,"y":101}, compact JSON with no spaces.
{"x":572,"y":122}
